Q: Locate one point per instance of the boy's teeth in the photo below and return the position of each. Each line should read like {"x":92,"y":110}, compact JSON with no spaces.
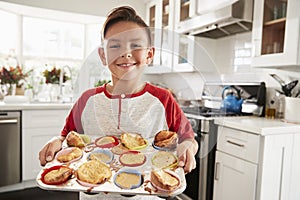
{"x":125,"y":65}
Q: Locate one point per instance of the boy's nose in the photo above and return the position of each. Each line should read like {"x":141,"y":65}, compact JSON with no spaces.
{"x":126,"y":55}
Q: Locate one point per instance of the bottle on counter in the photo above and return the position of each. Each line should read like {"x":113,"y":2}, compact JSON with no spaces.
{"x":280,"y":107}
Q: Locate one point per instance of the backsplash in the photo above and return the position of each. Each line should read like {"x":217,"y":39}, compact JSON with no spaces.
{"x":231,"y":57}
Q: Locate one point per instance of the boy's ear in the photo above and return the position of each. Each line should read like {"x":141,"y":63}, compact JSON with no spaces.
{"x":150,"y":55}
{"x":102,"y":55}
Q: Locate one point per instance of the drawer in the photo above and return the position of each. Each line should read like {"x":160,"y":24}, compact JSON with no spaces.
{"x":238,"y":143}
{"x":43,"y":118}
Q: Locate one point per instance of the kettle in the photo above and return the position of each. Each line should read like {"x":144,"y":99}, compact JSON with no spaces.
{"x":231,"y":100}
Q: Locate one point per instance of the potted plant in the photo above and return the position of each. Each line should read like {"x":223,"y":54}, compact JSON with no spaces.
{"x":13,"y":78}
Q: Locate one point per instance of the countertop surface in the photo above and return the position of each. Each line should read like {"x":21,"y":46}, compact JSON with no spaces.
{"x":260,"y":125}
{"x":34,"y":106}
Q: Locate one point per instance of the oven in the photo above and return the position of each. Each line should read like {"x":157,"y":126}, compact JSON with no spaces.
{"x":200,"y":180}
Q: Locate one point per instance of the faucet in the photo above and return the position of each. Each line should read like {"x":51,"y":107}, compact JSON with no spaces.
{"x":61,"y":81}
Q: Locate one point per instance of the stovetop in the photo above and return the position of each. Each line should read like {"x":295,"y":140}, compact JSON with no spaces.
{"x":208,"y":112}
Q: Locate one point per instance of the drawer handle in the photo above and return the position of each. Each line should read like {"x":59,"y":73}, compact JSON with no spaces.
{"x":235,"y":143}
{"x":217,"y":171}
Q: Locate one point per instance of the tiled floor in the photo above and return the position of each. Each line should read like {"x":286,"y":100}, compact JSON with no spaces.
{"x":38,"y":194}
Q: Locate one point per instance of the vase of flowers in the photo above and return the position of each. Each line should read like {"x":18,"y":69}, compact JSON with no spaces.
{"x":52,"y":76}
{"x":52,"y":79}
{"x":13,"y":78}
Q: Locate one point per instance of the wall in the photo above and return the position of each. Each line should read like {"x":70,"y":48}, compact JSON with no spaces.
{"x":91,"y":7}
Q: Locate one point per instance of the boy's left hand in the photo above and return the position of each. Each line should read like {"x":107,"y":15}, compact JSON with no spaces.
{"x":186,"y":151}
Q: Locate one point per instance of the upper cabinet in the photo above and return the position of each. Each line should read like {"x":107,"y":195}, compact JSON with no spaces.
{"x":173,"y":51}
{"x":275,"y":33}
{"x":206,"y":6}
{"x":159,"y":17}
{"x":185,"y":9}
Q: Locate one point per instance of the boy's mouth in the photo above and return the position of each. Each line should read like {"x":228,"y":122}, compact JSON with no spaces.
{"x":126,"y":65}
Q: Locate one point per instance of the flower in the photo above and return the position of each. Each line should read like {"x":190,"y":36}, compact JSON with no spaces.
{"x":53,"y":76}
{"x":13,"y":75}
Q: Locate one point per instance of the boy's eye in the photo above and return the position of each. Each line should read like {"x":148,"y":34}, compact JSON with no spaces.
{"x":114,"y":46}
{"x":136,"y":46}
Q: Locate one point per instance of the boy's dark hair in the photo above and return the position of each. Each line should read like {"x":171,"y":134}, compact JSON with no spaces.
{"x":121,"y":14}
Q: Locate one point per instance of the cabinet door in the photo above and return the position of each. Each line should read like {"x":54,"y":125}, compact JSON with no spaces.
{"x":277,"y":167}
{"x":159,"y":17}
{"x":33,"y":141}
{"x":205,"y":6}
{"x":183,"y":53}
{"x":38,"y":127}
{"x":235,"y":179}
{"x":275,"y":33}
{"x":185,"y":9}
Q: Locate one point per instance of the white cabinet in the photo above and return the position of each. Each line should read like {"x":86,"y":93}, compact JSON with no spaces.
{"x":236,"y":165}
{"x":173,"y":51}
{"x":38,"y":127}
{"x":159,"y":17}
{"x":235,"y":179}
{"x":205,"y":6}
{"x":256,"y":159}
{"x":276,"y":33}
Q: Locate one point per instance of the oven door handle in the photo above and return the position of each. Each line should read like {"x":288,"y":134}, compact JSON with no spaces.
{"x":8,"y":121}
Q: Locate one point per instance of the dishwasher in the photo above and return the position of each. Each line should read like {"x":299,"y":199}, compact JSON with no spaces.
{"x":10,"y":148}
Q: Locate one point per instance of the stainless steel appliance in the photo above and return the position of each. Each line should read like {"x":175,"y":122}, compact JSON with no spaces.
{"x":200,"y":180}
{"x":10,"y":148}
{"x":229,"y":20}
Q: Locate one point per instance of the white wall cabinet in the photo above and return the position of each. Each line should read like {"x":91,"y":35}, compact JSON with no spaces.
{"x":253,"y":166}
{"x":276,"y":33}
{"x":173,"y":51}
{"x":206,"y":6}
{"x":38,"y":127}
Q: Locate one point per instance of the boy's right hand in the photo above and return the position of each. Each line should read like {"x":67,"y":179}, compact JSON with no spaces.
{"x":48,"y":151}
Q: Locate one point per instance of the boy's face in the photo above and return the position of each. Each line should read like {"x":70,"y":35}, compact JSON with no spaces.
{"x":126,"y":50}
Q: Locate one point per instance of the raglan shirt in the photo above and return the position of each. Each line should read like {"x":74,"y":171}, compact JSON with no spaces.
{"x":147,"y":112}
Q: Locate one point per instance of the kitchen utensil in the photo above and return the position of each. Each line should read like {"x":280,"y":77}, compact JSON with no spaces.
{"x":298,"y":94}
{"x":286,"y":88}
{"x":232,"y":101}
{"x":292,"y":110}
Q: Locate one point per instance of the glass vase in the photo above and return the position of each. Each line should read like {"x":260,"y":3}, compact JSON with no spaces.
{"x":12,"y":89}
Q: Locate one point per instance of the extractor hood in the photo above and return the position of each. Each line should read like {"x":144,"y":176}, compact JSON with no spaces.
{"x":233,"y":19}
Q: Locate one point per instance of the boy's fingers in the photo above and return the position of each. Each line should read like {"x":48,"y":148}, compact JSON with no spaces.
{"x":190,"y":162}
{"x":49,"y":152}
{"x":182,"y":160}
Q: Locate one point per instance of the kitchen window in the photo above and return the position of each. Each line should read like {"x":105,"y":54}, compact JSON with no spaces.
{"x":35,"y":38}
{"x":50,"y":38}
{"x":8,"y":35}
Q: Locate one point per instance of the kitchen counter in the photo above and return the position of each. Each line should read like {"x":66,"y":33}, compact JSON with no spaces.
{"x":260,"y":125}
{"x":253,"y":152}
{"x":35,"y":106}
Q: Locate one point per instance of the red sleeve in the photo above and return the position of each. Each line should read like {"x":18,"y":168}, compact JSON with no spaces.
{"x":175,"y":117}
{"x":177,"y":121}
{"x":73,"y":120}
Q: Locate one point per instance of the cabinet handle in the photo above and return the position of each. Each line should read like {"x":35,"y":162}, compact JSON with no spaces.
{"x":235,"y":143}
{"x":217,"y":173}
{"x":8,"y":121}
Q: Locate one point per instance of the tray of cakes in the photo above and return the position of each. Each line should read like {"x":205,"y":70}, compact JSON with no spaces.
{"x":127,"y":164}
